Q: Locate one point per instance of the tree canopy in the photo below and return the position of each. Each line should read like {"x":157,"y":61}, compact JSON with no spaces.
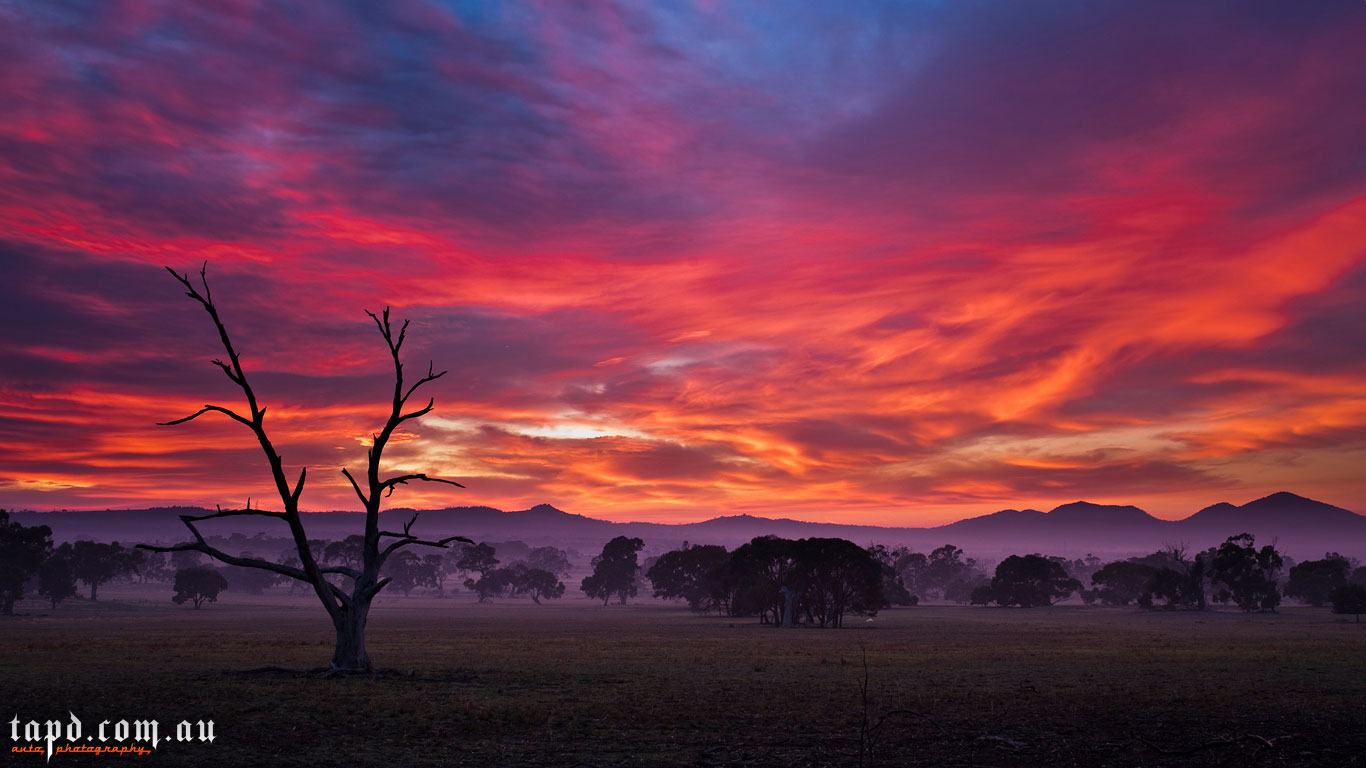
{"x":1247,"y":574}
{"x":1314,"y":581}
{"x":198,"y":584}
{"x":22,"y":550}
{"x":1028,"y":581}
{"x":693,"y":573}
{"x":614,"y":571}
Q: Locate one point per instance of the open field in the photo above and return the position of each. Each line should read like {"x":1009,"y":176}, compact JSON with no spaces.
{"x":575,"y":684}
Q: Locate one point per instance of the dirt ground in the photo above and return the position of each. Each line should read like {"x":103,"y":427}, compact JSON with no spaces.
{"x":573,"y":683}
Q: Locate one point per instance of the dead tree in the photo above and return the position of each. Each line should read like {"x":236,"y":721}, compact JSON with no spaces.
{"x":348,"y":608}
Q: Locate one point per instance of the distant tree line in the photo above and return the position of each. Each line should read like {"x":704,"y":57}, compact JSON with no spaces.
{"x":818,"y":581}
{"x":29,"y":563}
{"x":812,"y":582}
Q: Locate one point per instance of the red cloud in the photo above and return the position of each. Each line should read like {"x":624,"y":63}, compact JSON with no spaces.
{"x":672,"y":282}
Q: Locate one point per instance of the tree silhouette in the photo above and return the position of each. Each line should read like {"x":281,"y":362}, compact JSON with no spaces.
{"x":490,"y":584}
{"x":477,"y":559}
{"x":409,"y":572}
{"x":551,"y":559}
{"x":536,"y":583}
{"x":1122,"y":582}
{"x":95,"y":563}
{"x":838,"y":577}
{"x":1350,"y":598}
{"x":349,"y":610}
{"x":614,"y":571}
{"x":22,"y":551}
{"x":1028,"y":581}
{"x":1247,"y":573}
{"x":1313,"y":581}
{"x":197,"y":584}
{"x":56,"y":581}
{"x":692,"y":573}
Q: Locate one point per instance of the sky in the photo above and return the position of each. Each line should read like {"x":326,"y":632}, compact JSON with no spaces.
{"x":887,"y":263}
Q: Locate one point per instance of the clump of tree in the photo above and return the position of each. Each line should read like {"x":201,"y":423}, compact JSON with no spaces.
{"x":535,"y":583}
{"x":346,"y":591}
{"x":840,"y":578}
{"x":478,"y":558}
{"x":614,"y":571}
{"x":56,"y":579}
{"x":23,"y":548}
{"x":491,"y":584}
{"x":198,"y":584}
{"x":152,"y":566}
{"x":1027,"y":581}
{"x":945,"y":573}
{"x":813,"y":582}
{"x":518,"y":580}
{"x":1122,"y":582}
{"x":441,"y":570}
{"x":95,"y":563}
{"x":1179,"y":581}
{"x":695,"y":573}
{"x":407,"y":572}
{"x":1350,"y":598}
{"x":251,"y":581}
{"x":551,"y":559}
{"x":893,"y":587}
{"x":348,"y":552}
{"x":1247,"y":575}
{"x":1314,"y":581}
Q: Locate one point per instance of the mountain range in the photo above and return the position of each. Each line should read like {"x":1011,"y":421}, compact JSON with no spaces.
{"x":1299,"y":526}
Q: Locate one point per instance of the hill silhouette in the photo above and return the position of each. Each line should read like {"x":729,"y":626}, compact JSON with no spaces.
{"x":1301,"y":527}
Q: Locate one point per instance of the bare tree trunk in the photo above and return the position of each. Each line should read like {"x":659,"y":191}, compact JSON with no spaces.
{"x":350,"y":654}
{"x":94,"y":587}
{"x":348,"y":612}
{"x":789,"y":597}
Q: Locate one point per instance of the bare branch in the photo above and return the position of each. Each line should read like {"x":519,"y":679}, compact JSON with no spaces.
{"x":403,"y":480}
{"x":431,"y":376}
{"x":423,"y":411}
{"x":299,"y":486}
{"x":206,"y":409}
{"x":235,"y":513}
{"x":200,"y":545}
{"x":386,"y":330}
{"x":355,"y":487}
{"x":381,"y":584}
{"x":404,"y":541}
{"x":227,"y":369}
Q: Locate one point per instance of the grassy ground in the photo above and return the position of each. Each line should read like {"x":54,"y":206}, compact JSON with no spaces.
{"x":576,"y":684}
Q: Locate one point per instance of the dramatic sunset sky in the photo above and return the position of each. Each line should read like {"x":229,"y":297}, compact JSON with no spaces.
{"x":857,"y":262}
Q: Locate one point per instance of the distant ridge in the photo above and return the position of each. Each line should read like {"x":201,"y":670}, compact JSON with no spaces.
{"x":1302,"y":527}
{"x":1307,"y":515}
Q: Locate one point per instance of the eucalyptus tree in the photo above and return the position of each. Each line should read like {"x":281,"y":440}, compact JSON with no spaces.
{"x":346,"y":591}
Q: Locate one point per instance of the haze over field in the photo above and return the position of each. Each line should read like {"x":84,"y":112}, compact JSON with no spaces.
{"x":856,"y":263}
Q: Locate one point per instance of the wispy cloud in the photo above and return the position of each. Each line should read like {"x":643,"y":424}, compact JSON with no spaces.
{"x":886,"y":262}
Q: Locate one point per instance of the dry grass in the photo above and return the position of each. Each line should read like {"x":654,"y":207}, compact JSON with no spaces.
{"x":576,"y":684}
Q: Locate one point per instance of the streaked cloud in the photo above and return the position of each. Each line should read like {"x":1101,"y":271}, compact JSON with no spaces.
{"x":894,"y":263}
